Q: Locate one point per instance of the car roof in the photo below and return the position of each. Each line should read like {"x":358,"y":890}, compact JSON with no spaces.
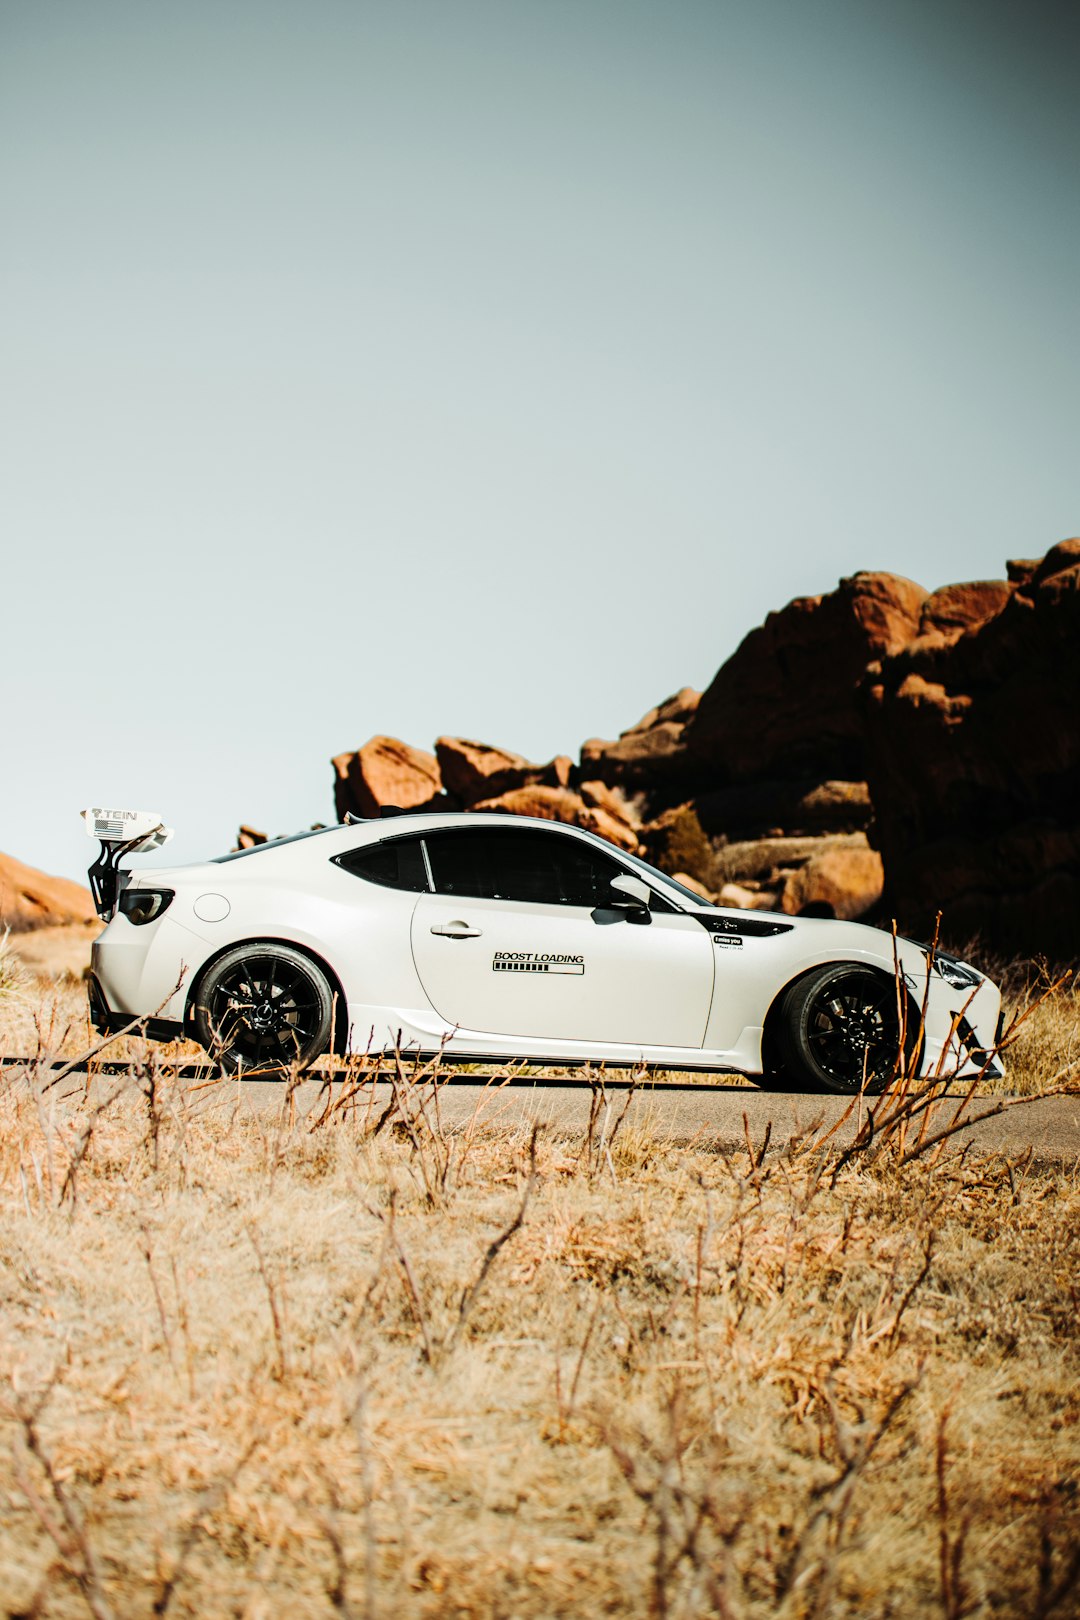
{"x":411,"y":822}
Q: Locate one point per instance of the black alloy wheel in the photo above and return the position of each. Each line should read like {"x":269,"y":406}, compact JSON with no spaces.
{"x":264,"y":1009}
{"x":839,"y":1029}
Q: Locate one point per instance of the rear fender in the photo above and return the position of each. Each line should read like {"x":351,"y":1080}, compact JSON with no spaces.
{"x":341,"y":1010}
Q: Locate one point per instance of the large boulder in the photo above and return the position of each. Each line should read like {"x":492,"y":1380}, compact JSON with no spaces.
{"x":651,"y":754}
{"x":30,"y":899}
{"x":250,"y":837}
{"x":748,"y":810}
{"x":472,"y":771}
{"x":833,"y":875}
{"x":676,"y":842}
{"x":785,"y":705}
{"x":385,"y":771}
{"x":973,"y":749}
{"x":562,"y":804}
{"x":612,"y":800}
{"x":844,"y":883}
{"x":953,"y":609}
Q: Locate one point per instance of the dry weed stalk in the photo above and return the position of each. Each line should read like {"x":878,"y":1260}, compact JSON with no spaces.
{"x":60,"y":1517}
{"x":436,"y":1351}
{"x":600,"y":1133}
{"x":275,"y":1302}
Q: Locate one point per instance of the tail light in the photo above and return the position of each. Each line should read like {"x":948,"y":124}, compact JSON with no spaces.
{"x":144,"y":905}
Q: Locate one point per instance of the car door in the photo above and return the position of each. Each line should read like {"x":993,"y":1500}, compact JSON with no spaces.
{"x":520,"y":938}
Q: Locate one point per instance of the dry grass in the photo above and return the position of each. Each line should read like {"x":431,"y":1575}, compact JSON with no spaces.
{"x":361,"y":1364}
{"x":1046,"y":1051}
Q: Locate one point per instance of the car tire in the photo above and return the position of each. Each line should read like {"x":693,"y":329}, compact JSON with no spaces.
{"x":837,"y":1029}
{"x":263,"y":1009}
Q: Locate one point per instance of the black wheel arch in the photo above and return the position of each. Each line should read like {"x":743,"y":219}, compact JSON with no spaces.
{"x":770,"y":1062}
{"x":340,"y":1037}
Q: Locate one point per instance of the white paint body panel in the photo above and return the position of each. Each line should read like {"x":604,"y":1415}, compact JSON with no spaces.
{"x":633,"y":983}
{"x":663,"y":993}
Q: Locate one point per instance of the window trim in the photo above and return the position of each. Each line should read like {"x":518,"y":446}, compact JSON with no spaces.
{"x":342,"y":856}
{"x":431,"y":889}
{"x":553,"y":829}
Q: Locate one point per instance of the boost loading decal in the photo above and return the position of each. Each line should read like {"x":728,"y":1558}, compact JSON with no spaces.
{"x":536,"y":962}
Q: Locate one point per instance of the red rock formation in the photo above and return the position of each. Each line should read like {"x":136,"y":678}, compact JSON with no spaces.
{"x":676,"y":842}
{"x":651,"y":754}
{"x":385,"y":771}
{"x":561,"y":804}
{"x":31,"y":899}
{"x":774,"y":809}
{"x":785,"y":705}
{"x":974,"y":767}
{"x":611,"y":800}
{"x":961,"y":706}
{"x":845,"y":883}
{"x":473,"y":770}
{"x":956,"y":608}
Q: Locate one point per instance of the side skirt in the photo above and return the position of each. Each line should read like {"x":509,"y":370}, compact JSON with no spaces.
{"x":424,"y":1054}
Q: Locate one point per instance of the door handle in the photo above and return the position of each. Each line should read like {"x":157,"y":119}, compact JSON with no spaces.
{"x":456,"y":930}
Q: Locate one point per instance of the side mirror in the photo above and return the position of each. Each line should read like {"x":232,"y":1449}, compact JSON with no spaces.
{"x":632,"y":891}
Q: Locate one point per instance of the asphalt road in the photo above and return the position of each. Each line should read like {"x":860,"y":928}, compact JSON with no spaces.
{"x":715,"y":1115}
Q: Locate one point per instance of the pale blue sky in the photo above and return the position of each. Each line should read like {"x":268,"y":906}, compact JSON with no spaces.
{"x":491,"y":368}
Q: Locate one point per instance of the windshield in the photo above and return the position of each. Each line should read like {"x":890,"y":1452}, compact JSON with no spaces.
{"x":696,"y":900}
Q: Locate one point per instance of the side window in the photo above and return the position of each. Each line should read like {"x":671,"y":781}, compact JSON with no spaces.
{"x":585,"y":874}
{"x":396,"y":863}
{"x":496,"y":863}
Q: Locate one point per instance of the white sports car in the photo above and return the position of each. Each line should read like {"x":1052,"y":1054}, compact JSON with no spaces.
{"x":502,"y":938}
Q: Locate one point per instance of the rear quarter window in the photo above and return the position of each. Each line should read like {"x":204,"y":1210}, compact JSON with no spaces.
{"x":397,"y":863}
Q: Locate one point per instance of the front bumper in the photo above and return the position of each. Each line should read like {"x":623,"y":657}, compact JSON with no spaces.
{"x":963,"y":1032}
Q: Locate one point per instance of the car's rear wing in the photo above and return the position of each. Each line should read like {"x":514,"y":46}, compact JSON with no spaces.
{"x":120,"y":833}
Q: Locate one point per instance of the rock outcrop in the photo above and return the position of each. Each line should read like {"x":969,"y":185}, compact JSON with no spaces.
{"x":676,"y":842}
{"x":30,"y":899}
{"x":385,"y":771}
{"x":562,"y":804}
{"x":973,"y":746}
{"x":770,"y":809}
{"x":835,"y":882}
{"x":947,"y":613}
{"x":651,"y":754}
{"x":935,"y":732}
{"x":472,"y":771}
{"x":835,"y":874}
{"x":785,"y":705}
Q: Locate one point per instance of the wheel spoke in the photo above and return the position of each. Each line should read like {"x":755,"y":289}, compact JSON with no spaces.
{"x":852,"y":1031}
{"x":831,"y":1035}
{"x":265,"y":1010}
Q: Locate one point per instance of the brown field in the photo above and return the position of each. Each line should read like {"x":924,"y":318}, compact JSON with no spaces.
{"x":363,"y":1365}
